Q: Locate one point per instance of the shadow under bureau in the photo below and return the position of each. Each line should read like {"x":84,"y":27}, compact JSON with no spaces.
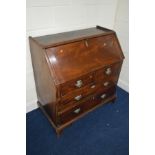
{"x":75,"y":72}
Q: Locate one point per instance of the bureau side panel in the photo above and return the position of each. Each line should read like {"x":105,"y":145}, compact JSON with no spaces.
{"x":118,"y":47}
{"x":45,"y":87}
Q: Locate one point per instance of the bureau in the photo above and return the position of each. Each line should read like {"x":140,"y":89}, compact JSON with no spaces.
{"x":75,"y":72}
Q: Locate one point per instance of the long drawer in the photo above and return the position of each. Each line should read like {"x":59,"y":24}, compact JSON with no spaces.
{"x":92,"y":101}
{"x":74,"y":97}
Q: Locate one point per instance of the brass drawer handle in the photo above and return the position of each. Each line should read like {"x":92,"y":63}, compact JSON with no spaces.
{"x":77,"y":98}
{"x":86,"y":43}
{"x":93,"y":86}
{"x":103,"y":96}
{"x":93,"y":98}
{"x":79,"y":83}
{"x":106,"y":83}
{"x":77,"y":111}
{"x":108,"y":71}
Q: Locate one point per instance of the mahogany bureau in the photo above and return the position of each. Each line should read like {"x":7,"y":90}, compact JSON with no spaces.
{"x":75,"y":72}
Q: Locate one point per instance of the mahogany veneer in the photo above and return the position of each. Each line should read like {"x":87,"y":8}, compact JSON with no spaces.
{"x":75,"y":72}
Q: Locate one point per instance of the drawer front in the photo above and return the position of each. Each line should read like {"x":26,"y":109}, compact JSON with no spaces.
{"x":110,"y":72}
{"x":74,"y":97}
{"x":91,"y":102}
{"x":78,"y":94}
{"x":76,"y":84}
{"x":104,"y":94}
{"x":75,"y":112}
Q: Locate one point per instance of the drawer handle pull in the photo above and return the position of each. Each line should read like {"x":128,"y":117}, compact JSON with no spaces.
{"x":93,"y":86}
{"x":78,"y":83}
{"x":104,"y":44}
{"x":93,"y":98}
{"x":86,"y":43}
{"x":77,"y":98}
{"x":77,"y":111}
{"x":108,"y":71}
{"x":103,"y":96}
{"x":106,"y":84}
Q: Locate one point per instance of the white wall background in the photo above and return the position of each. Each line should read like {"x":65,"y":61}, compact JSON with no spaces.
{"x":53,"y":16}
{"x":121,"y":26}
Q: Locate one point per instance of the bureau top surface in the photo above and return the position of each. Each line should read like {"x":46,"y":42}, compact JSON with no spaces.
{"x":65,"y":37}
